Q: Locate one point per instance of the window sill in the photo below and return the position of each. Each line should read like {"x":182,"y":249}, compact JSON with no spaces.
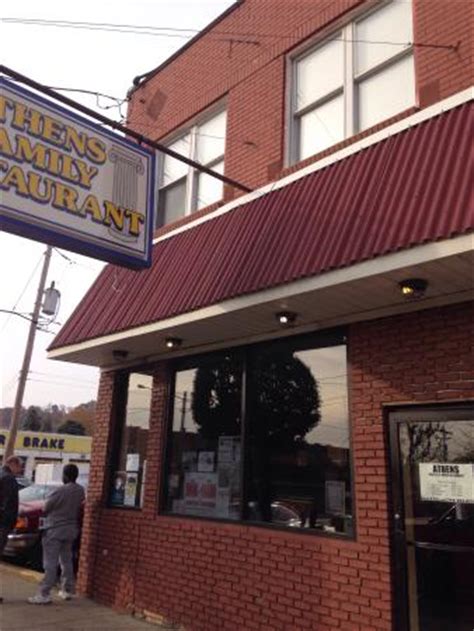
{"x":275,"y":528}
{"x":288,"y":169}
{"x":134,"y":509}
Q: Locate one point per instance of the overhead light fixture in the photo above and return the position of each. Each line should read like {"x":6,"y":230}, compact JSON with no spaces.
{"x":413,"y":288}
{"x":119,"y":354}
{"x":173,"y":342}
{"x":285,"y":318}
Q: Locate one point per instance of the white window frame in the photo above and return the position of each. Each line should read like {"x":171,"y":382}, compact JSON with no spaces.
{"x":347,"y":32}
{"x":191,"y":178}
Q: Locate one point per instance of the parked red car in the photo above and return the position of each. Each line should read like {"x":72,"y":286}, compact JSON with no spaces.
{"x":24,"y":542}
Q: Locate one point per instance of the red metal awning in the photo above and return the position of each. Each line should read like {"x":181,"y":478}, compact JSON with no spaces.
{"x":409,"y":189}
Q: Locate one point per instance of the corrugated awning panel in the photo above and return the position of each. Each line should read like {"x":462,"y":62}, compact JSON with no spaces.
{"x":409,"y":189}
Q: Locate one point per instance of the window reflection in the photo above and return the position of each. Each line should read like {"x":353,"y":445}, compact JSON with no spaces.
{"x":128,"y":478}
{"x":296,"y":457}
{"x":204,"y":473}
{"x":299,"y":453}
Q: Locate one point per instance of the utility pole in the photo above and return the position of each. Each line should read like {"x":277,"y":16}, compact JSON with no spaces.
{"x":10,"y":446}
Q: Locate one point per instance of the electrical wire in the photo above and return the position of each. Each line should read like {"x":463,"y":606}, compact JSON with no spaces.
{"x":163,"y":31}
{"x":57,"y":383}
{"x":65,"y":377}
{"x":12,"y":311}
{"x":73,"y":261}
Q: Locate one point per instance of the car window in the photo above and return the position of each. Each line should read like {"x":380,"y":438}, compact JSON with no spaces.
{"x":23,"y":481}
{"x":36,"y":492}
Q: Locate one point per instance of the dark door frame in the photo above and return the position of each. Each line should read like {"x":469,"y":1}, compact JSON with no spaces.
{"x":393,"y":417}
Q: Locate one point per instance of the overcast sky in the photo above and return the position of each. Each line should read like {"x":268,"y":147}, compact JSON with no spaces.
{"x":87,"y":59}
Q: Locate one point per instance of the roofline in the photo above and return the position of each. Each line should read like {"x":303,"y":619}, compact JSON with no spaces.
{"x":140,"y":80}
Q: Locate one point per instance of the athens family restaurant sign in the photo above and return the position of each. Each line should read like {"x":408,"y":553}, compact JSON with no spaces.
{"x":68,"y":182}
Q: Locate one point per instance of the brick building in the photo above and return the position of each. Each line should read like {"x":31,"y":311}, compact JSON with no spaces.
{"x":284,"y":436}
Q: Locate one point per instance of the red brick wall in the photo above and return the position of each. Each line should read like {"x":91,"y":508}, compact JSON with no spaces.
{"x":252,"y":75}
{"x":219,"y":577}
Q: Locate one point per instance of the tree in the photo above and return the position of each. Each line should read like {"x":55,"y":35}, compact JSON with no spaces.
{"x":53,"y":416}
{"x":285,"y":398}
{"x":285,"y":405}
{"x":216,"y":401}
{"x":33,"y":419}
{"x":72,"y":427}
{"x":428,"y":442}
{"x":84,"y":413}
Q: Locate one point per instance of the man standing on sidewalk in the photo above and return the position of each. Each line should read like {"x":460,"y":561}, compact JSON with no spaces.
{"x":8,"y":499}
{"x":62,"y":511}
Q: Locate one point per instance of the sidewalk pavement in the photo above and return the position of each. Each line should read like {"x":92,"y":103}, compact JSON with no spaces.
{"x":79,"y":614}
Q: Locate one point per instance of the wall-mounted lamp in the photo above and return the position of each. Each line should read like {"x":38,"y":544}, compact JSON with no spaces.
{"x":119,"y":354}
{"x":413,"y":288}
{"x":285,"y":318}
{"x":173,"y":342}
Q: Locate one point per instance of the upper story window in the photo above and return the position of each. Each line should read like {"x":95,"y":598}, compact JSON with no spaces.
{"x":361,"y":75}
{"x":184,"y":189}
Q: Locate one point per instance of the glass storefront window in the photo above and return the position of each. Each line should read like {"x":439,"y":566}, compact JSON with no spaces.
{"x":204,"y":451}
{"x":127,"y":483}
{"x":282,"y":432}
{"x":299,"y":459}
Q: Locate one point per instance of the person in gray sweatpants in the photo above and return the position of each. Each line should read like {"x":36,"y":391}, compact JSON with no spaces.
{"x":62,"y":511}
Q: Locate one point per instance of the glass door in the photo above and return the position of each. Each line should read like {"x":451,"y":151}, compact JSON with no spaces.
{"x":433,"y":456}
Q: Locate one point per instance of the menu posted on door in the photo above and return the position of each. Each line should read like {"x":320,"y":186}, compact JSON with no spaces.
{"x":446,"y":482}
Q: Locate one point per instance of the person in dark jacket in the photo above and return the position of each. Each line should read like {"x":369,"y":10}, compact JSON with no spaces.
{"x":8,"y":499}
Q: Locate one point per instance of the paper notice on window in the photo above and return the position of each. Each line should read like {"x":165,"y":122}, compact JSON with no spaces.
{"x":335,"y":497}
{"x":131,"y":486}
{"x":446,"y":482}
{"x":229,"y":449}
{"x":133,"y":462}
{"x":200,"y":493}
{"x":206,"y":461}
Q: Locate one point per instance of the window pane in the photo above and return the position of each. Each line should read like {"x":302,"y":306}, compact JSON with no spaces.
{"x":322,"y":127}
{"x":299,"y":450}
{"x":392,"y":23}
{"x":386,"y":93}
{"x":174,"y":169}
{"x":171,"y":203}
{"x":209,"y":189}
{"x":204,"y":455}
{"x":319,"y":73}
{"x":211,"y":139}
{"x":128,"y":478}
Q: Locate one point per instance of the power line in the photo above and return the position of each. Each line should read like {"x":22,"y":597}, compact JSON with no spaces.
{"x":57,"y":383}
{"x":92,"y":92}
{"x":117,"y":28}
{"x":12,"y":311}
{"x":20,"y":315}
{"x":65,"y":377}
{"x":72,"y":261}
{"x":175,"y":32}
